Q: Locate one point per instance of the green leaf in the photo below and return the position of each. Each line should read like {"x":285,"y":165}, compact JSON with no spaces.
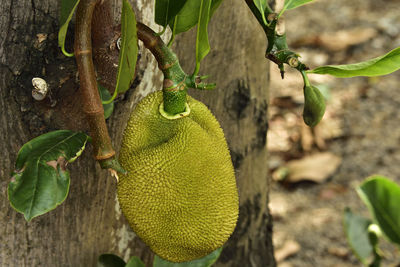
{"x":128,"y":53}
{"x":356,"y":229}
{"x":206,"y":261}
{"x":188,"y":16}
{"x":110,"y":260}
{"x":291,"y":4}
{"x":202,"y":44}
{"x":67,"y":11}
{"x":105,"y":97}
{"x":40,"y":181}
{"x":134,"y":262}
{"x":314,"y":105}
{"x":165,"y":10}
{"x":129,"y":48}
{"x":382,"y":65}
{"x":261,"y":6}
{"x":382,"y":198}
{"x":214,"y":5}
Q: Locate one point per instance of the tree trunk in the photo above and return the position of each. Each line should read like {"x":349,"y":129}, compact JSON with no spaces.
{"x":89,"y":222}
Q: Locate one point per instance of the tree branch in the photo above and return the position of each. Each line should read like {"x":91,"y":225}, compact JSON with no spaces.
{"x":93,"y":108}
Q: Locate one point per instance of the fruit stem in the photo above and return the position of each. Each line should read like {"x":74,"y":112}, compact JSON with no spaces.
{"x":174,"y":86}
{"x":176,"y":81}
{"x":93,"y":108}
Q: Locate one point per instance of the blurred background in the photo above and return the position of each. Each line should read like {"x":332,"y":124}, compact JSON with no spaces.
{"x":315,"y":172}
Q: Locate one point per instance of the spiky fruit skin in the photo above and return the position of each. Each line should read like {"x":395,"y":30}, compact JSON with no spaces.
{"x":179,"y":194}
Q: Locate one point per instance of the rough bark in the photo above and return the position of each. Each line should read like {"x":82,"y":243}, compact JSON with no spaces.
{"x":89,"y":222}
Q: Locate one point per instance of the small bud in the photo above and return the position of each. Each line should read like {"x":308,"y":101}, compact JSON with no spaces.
{"x":271,"y":17}
{"x":293,"y":62}
{"x":40,"y":89}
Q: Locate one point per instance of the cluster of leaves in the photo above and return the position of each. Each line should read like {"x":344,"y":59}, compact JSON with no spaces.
{"x":111,"y":260}
{"x":278,"y":51}
{"x":40,"y":181}
{"x":182,"y":15}
{"x":34,"y":190}
{"x":382,"y":197}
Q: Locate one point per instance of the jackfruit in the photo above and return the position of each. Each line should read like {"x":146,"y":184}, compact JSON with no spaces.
{"x":314,"y":105}
{"x":179,"y":194}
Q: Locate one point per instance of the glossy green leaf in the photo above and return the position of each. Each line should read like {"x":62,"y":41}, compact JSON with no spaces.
{"x":129,"y":48}
{"x":356,"y":229}
{"x":188,"y":16}
{"x":67,"y":11}
{"x":206,"y":261}
{"x":110,"y":260}
{"x":40,"y":181}
{"x":134,"y":262}
{"x":314,"y":105}
{"x":106,"y":96}
{"x":128,"y":52}
{"x":291,"y":4}
{"x":202,"y":44}
{"x":214,"y":5}
{"x":382,"y":65}
{"x":165,"y":10}
{"x":382,"y":198}
{"x":261,"y":6}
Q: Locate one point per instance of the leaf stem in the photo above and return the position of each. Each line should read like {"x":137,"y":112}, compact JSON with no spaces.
{"x":305,"y":78}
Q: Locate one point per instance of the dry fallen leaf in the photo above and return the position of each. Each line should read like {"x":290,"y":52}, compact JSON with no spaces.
{"x":340,"y":252}
{"x":331,"y":191}
{"x":338,"y":41}
{"x":285,"y":264}
{"x":289,"y":248}
{"x":317,"y":168}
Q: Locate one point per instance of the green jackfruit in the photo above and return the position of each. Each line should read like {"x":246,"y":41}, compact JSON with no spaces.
{"x":179,"y":194}
{"x":314,"y":106}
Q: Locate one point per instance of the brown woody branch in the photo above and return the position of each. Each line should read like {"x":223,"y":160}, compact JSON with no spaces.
{"x":93,"y":107}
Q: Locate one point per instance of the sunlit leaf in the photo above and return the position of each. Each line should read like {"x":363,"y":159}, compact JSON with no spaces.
{"x":261,"y":5}
{"x":202,"y":44}
{"x":206,"y":261}
{"x":382,"y":198}
{"x":67,"y":11}
{"x":40,"y":181}
{"x":291,"y":4}
{"x":374,"y":67}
